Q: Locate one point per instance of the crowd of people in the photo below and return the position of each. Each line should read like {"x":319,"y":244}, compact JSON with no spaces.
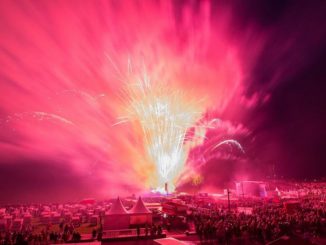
{"x":265,"y":222}
{"x":67,"y":232}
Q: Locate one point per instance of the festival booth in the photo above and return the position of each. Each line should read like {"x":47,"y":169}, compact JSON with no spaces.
{"x":45,"y":218}
{"x":88,"y":201}
{"x":2,"y":212}
{"x":102,"y":212}
{"x":94,"y":219}
{"x":79,"y":215}
{"x":97,"y":210}
{"x":17,"y":225}
{"x":3,"y":225}
{"x":251,"y":189}
{"x":8,"y":219}
{"x":174,"y":208}
{"x":46,"y":209}
{"x":27,"y":219}
{"x":75,"y":220}
{"x":67,"y":216}
{"x":140,"y":214}
{"x":16,"y":214}
{"x":117,"y":217}
{"x":154,"y":206}
{"x":56,"y":218}
{"x":89,"y":215}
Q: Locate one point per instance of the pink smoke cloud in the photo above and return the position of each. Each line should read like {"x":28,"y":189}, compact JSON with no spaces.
{"x":63,"y":68}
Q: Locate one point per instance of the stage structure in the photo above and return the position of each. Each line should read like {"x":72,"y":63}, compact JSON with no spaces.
{"x":251,"y":189}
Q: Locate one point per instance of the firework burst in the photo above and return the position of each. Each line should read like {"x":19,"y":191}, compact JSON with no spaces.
{"x":164,"y":116}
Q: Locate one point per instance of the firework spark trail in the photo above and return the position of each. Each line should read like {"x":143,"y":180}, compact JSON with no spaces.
{"x":201,"y":130}
{"x":202,"y":149}
{"x":38,"y":115}
{"x":164,"y":116}
{"x":199,"y":160}
{"x":82,"y":94}
{"x":229,"y":142}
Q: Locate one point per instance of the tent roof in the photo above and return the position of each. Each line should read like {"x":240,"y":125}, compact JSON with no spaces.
{"x":140,"y":208}
{"x":117,"y":208}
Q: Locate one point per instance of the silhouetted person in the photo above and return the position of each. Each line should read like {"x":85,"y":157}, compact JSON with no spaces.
{"x":138,"y":231}
{"x":94,"y":234}
{"x":159,"y":230}
{"x":99,"y":235}
{"x":146,"y":230}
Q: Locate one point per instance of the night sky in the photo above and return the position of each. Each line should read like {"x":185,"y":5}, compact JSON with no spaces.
{"x":292,"y":128}
{"x":260,"y":63}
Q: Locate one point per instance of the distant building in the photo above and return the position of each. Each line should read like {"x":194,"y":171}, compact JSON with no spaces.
{"x":251,"y":189}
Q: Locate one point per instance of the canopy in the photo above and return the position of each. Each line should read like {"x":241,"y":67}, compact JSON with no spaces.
{"x":139,"y":208}
{"x":117,"y":208}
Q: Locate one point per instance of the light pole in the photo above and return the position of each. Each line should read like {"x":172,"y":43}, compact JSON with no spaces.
{"x":229,"y":199}
{"x":166,"y":188}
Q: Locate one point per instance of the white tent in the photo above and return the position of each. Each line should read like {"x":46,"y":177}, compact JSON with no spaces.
{"x":17,"y":224}
{"x":140,"y":214}
{"x":117,"y":217}
{"x":3,"y":225}
{"x":117,"y":208}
